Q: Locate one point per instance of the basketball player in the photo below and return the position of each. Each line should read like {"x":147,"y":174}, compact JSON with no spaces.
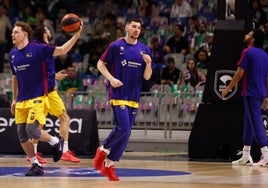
{"x":253,"y":72}
{"x":125,"y":63}
{"x":42,"y":35}
{"x":29,"y":102}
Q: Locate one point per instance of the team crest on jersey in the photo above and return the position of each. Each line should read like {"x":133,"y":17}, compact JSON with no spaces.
{"x":124,"y":62}
{"x":222,"y":80}
{"x":122,"y":49}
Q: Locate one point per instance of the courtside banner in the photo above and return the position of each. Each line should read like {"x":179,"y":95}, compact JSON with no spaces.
{"x":83,"y":132}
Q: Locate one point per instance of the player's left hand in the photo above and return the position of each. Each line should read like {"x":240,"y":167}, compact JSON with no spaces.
{"x":146,"y":58}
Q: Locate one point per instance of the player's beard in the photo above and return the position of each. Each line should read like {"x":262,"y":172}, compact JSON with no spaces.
{"x":134,"y":36}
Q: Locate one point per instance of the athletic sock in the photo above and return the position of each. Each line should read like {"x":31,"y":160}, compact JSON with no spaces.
{"x":108,"y":163}
{"x":35,"y":160}
{"x":54,"y":140}
{"x":264,"y":151}
{"x":105,"y":150}
{"x":35,"y":148}
{"x":65,"y":147}
{"x":246,"y":151}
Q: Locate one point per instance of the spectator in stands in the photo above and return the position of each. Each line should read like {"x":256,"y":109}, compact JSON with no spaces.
{"x":171,"y":74}
{"x":62,"y":38}
{"x":192,"y":75}
{"x":62,"y":62}
{"x":72,"y":82}
{"x":4,"y":103}
{"x":5,"y":25}
{"x":108,"y":6}
{"x":119,"y":33}
{"x":177,"y":43}
{"x":265,"y":42}
{"x":199,"y":38}
{"x":157,"y":52}
{"x":158,"y":61}
{"x":144,"y":9}
{"x":191,"y":28}
{"x":181,"y":11}
{"x":42,"y":19}
{"x":105,"y":32}
{"x":202,"y":59}
{"x":255,"y":16}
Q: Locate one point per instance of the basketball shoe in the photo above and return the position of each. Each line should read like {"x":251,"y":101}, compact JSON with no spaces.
{"x":244,"y":160}
{"x":99,"y":159}
{"x":69,"y":156}
{"x":109,"y":172}
{"x":35,"y":170}
{"x":57,"y":150}
{"x":262,"y":162}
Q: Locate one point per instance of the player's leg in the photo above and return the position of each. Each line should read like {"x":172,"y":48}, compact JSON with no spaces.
{"x":58,"y":109}
{"x":37,"y":116}
{"x":35,"y":145}
{"x":21,"y":115}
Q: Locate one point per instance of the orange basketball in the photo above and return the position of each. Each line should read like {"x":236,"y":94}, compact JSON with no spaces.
{"x":70,"y":22}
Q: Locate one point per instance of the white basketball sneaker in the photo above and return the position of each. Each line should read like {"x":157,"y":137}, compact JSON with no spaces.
{"x":244,"y":160}
{"x":262,"y":162}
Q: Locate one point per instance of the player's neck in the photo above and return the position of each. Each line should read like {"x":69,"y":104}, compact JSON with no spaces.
{"x":23,"y":44}
{"x":130,"y":40}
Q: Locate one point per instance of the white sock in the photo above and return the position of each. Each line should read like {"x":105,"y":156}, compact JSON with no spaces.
{"x":35,"y":160}
{"x":54,"y":140}
{"x":35,"y":148}
{"x":105,"y":150}
{"x":108,"y":163}
{"x":246,"y":150}
{"x":264,"y":151}
{"x":65,"y":147}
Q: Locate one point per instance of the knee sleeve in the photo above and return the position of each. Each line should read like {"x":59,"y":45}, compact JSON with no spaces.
{"x":22,"y":134}
{"x":33,"y":131}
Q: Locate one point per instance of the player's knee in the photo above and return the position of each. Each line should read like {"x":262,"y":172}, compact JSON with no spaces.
{"x":64,"y":118}
{"x":22,"y":134}
{"x":33,"y":131}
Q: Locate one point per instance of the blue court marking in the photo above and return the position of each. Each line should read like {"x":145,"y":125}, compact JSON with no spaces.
{"x":89,"y":172}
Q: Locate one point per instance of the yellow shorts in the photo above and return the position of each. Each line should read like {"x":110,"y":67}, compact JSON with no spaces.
{"x":56,"y":105}
{"x":29,"y":111}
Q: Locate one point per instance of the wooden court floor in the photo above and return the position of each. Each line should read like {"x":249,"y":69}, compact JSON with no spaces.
{"x":137,"y":170}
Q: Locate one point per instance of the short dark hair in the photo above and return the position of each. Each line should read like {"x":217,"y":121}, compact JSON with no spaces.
{"x":39,"y":33}
{"x":133,"y":19}
{"x":170,"y":60}
{"x":258,"y":35}
{"x":181,"y":28}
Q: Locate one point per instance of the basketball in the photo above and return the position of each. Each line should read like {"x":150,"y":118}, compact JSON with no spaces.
{"x":70,"y":23}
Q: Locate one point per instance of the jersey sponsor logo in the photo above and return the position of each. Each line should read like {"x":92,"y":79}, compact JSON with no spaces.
{"x":222,"y":80}
{"x":124,"y":62}
{"x":29,"y":55}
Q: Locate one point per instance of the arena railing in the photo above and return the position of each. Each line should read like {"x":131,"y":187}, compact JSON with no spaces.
{"x":158,"y":110}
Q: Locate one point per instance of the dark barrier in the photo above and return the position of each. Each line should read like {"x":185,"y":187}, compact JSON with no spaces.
{"x":216,"y":132}
{"x":83,"y":137}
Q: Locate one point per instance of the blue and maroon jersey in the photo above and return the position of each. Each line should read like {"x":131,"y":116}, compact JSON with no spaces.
{"x":27,"y":64}
{"x":50,"y":69}
{"x":125,"y":62}
{"x":255,"y":63}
